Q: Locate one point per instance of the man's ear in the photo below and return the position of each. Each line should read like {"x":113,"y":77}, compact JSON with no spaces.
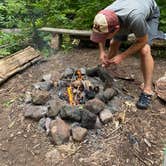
{"x":117,"y":27}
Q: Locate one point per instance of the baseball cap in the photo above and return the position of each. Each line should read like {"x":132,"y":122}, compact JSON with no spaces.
{"x":104,"y":23}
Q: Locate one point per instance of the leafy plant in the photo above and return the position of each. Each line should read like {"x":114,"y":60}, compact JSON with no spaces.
{"x":8,"y":103}
{"x":29,"y":15}
{"x":10,"y":43}
{"x":162,"y":7}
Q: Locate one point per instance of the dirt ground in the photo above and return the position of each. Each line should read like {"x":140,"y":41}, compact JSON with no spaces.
{"x":139,"y":141}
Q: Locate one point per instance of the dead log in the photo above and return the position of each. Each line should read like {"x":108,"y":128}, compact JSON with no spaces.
{"x":85,"y":35}
{"x":13,"y":30}
{"x":160,"y":87}
{"x":66,"y":31}
{"x":106,"y":77}
{"x":102,"y":73}
{"x":17,"y":62}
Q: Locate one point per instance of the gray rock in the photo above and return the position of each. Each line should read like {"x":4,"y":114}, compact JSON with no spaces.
{"x":41,"y":124}
{"x":35,"y":112}
{"x":75,"y":124}
{"x":98,"y":124}
{"x":47,"y":125}
{"x":88,"y":119}
{"x":44,"y":124}
{"x":105,"y":116}
{"x":47,"y":77}
{"x":83,"y":71}
{"x":62,"y":83}
{"x":95,"y":105}
{"x":60,"y":131}
{"x":28,"y":97}
{"x":79,"y":133}
{"x":45,"y":85}
{"x":40,"y":97}
{"x":68,"y":73}
{"x":72,"y":113}
{"x":115,"y":104}
{"x":100,"y":96}
{"x":108,"y":94}
{"x":54,"y":107}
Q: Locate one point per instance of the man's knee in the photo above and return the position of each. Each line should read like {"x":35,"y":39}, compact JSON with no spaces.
{"x":146,"y":50}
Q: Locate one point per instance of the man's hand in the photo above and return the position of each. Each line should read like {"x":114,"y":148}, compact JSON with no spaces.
{"x":104,"y":59}
{"x":103,"y":56}
{"x":116,"y":60}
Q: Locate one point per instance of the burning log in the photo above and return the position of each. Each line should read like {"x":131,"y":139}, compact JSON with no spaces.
{"x":75,"y":87}
{"x":79,"y":75}
{"x":78,"y":86}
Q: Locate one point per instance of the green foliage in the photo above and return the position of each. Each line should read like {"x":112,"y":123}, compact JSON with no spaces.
{"x":8,"y":103}
{"x":10,"y":43}
{"x":77,"y":14}
{"x":32,"y":14}
{"x":162,"y":6}
{"x":67,"y":13}
{"x":27,"y":15}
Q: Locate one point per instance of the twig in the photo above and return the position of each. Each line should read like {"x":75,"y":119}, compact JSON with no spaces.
{"x":108,"y":139}
{"x":140,"y":158}
{"x":1,"y":90}
{"x":69,"y":155}
{"x":114,"y":131}
{"x":149,"y":161}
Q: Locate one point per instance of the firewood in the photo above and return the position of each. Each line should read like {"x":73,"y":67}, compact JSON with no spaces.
{"x":17,"y":62}
{"x":102,"y":73}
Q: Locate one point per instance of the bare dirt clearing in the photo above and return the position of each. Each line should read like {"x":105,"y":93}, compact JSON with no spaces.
{"x":138,"y":141}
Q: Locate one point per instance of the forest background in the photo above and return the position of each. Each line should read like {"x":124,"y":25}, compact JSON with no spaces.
{"x":29,"y":15}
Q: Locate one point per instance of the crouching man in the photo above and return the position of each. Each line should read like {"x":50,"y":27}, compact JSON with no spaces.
{"x":121,"y":18}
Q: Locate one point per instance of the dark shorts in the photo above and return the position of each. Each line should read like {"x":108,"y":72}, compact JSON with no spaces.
{"x":153,"y":32}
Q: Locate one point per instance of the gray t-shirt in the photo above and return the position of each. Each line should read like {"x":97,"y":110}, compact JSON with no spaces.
{"x":133,"y":15}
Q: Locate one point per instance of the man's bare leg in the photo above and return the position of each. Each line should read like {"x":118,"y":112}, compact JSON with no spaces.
{"x":147,"y":65}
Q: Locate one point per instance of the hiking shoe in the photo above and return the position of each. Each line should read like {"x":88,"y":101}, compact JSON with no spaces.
{"x":144,"y":101}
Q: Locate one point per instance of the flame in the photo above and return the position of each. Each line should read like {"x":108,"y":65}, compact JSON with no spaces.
{"x":69,"y":89}
{"x":78,"y":72}
{"x":70,"y":95}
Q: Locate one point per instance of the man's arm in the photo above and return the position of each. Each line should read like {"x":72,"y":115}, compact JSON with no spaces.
{"x":114,"y":47}
{"x":140,"y":43}
{"x":101,"y":49}
{"x":102,"y":54}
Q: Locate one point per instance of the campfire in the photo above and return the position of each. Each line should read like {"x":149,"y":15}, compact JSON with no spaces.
{"x":76,"y":88}
{"x":80,"y":100}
